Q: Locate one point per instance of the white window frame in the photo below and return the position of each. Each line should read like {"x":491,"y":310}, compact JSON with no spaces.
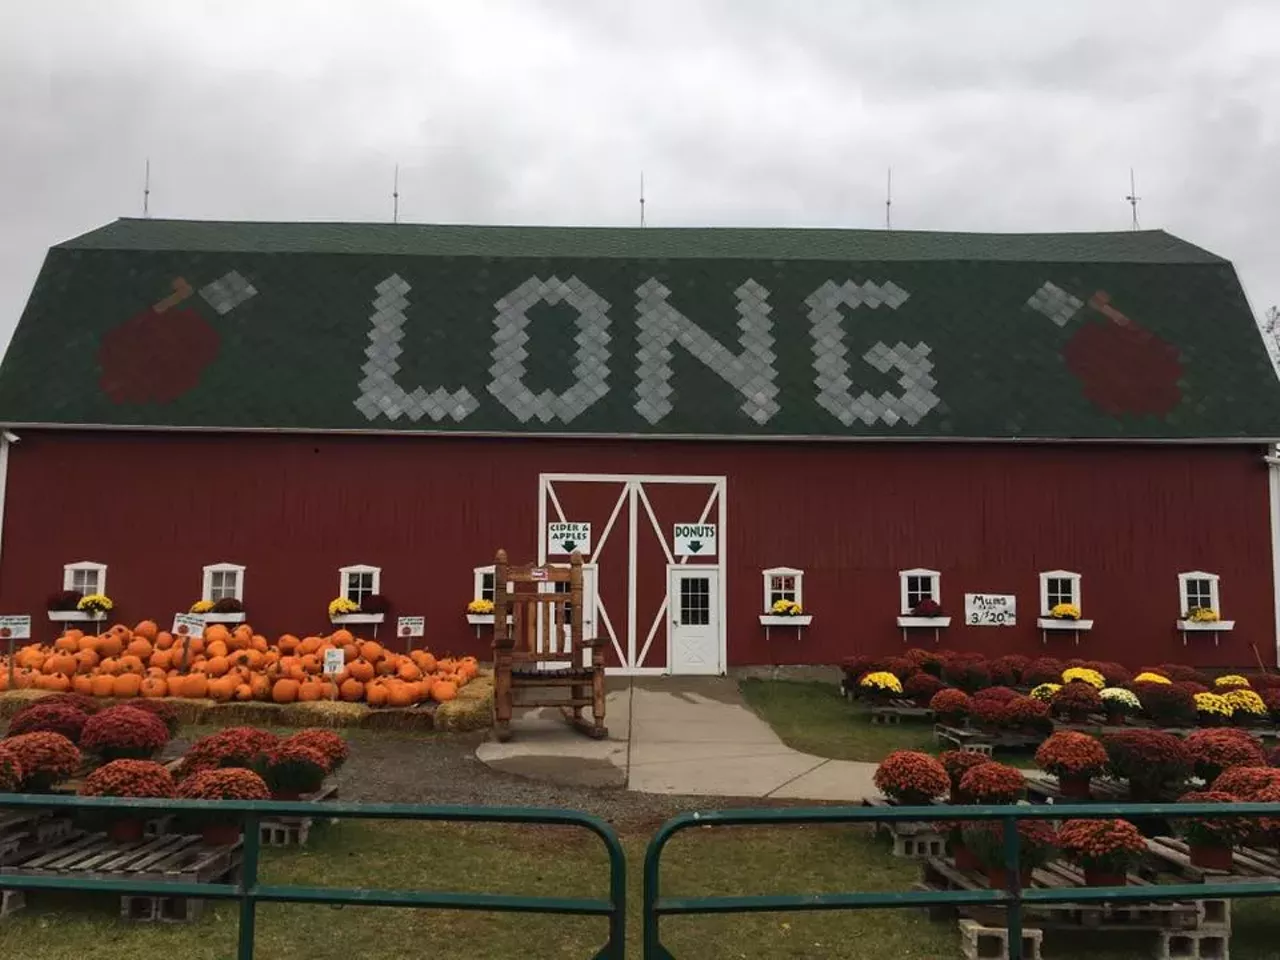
{"x":1070,"y":575}
{"x":1185,"y":601}
{"x":70,"y":570}
{"x":359,"y":568}
{"x":478,"y":574}
{"x":206,"y":589}
{"x":772,"y":572}
{"x":904,"y":578}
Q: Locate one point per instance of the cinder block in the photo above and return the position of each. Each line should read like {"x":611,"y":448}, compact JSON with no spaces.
{"x":920,"y":846}
{"x":886,"y":719}
{"x":978,"y":942}
{"x":11,"y":901}
{"x":1213,"y":915}
{"x":1192,"y":945}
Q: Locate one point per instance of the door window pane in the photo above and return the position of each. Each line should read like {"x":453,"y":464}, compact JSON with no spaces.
{"x":695,"y":601}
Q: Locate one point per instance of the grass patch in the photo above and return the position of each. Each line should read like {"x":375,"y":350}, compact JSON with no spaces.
{"x":558,"y":862}
{"x":814,"y":718}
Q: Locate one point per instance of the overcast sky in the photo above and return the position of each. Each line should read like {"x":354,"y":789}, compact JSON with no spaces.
{"x":994,"y":116}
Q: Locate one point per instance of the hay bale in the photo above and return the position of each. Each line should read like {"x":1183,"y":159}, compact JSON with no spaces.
{"x":419,"y":718}
{"x":244,"y":713}
{"x":11,"y":701}
{"x":190,"y":710}
{"x":322,"y":713}
{"x":463,"y":715}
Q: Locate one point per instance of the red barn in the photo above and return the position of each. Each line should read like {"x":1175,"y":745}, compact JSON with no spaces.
{"x":717,"y":419}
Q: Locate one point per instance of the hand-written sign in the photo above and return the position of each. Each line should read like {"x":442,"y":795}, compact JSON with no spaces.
{"x":188,"y":624}
{"x":335,"y":661}
{"x":15,"y":628}
{"x":694,"y":539}
{"x":566,"y":537}
{"x":990,"y":609}
{"x":411,"y":626}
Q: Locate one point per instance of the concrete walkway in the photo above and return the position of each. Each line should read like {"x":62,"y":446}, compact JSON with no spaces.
{"x":677,"y":735}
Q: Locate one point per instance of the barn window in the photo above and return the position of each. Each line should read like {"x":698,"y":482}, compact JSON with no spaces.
{"x":85,"y":577}
{"x":1058,"y":587}
{"x":1198,"y":590}
{"x":783,"y":583}
{"x":483,"y":583}
{"x":916,"y":586}
{"x":223,"y":581}
{"x":360,"y":581}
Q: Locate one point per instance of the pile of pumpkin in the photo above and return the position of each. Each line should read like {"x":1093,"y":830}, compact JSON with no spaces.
{"x":235,"y":664}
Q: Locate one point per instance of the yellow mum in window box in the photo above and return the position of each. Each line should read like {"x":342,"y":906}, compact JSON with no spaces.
{"x":786,"y":608}
{"x":1202,"y":615}
{"x":479,"y":606}
{"x":1065,"y":611}
{"x":202,"y":606}
{"x":341,"y":606}
{"x":95,"y":603}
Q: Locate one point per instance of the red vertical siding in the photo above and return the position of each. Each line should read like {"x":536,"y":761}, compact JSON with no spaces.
{"x":157,"y":507}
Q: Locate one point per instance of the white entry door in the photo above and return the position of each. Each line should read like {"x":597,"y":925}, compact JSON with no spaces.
{"x":693,"y":600}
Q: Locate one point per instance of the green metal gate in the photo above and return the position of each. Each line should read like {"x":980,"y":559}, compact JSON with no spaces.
{"x":655,"y":906}
{"x":248,"y":892}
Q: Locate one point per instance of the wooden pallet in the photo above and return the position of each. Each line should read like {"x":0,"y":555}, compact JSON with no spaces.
{"x":980,"y":741}
{"x":915,"y":840}
{"x":1167,"y":855}
{"x":23,"y":833}
{"x":898,"y":710}
{"x":1042,"y":788}
{"x":939,"y":874}
{"x":173,"y":858}
{"x":295,"y":831}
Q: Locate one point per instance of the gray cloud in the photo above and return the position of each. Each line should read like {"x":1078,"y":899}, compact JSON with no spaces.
{"x":998,"y":115}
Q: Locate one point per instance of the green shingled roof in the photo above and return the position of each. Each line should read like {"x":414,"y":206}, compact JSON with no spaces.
{"x":655,"y":332}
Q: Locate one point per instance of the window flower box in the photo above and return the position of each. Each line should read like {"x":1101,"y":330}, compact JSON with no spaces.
{"x":1062,"y":623}
{"x":926,"y":623}
{"x":76,"y":616}
{"x":340,"y":618}
{"x":785,"y":620}
{"x":212,"y":617}
{"x":1207,"y":626}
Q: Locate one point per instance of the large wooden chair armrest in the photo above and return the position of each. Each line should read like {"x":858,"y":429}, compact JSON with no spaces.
{"x":596,"y":642}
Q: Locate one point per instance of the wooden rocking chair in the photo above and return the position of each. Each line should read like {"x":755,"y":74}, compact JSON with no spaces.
{"x":517,"y":660}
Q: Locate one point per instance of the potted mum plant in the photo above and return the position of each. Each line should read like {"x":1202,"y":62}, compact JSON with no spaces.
{"x":1105,"y":849}
{"x":1209,"y":839}
{"x":1118,"y":704}
{"x":124,"y":733}
{"x":911,"y":778}
{"x":951,"y":706}
{"x":1154,"y":762}
{"x":292,"y":769}
{"x":1027,"y":716}
{"x":1247,"y":707}
{"x":993,"y":783}
{"x":1075,"y":701}
{"x":1214,"y":709}
{"x":228,"y":784}
{"x":331,"y":746}
{"x":881,"y":685}
{"x":1216,"y":750}
{"x":128,"y":778}
{"x":1167,"y":704}
{"x":1075,"y":759}
{"x":44,"y":760}
{"x":920,"y":688}
{"x":231,"y":747}
{"x":957,"y":763}
{"x":43,"y":717}
{"x":985,"y":840}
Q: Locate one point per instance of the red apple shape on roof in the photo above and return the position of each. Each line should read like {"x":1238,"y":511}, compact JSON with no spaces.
{"x":158,"y":355}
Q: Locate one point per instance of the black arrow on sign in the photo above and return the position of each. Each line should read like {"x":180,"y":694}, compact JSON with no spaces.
{"x":569,"y":545}
{"x":695,"y":546}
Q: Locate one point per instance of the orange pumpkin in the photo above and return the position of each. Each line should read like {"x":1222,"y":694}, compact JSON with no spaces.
{"x":223,"y":688}
{"x":340,"y":638}
{"x":80,"y":683}
{"x":57,"y":682}
{"x":309,"y":645}
{"x":86,"y":661}
{"x":130,"y":664}
{"x":371,"y":651}
{"x":241,"y":637}
{"x":126,"y":685}
{"x":409,"y":671}
{"x":217,"y":633}
{"x":66,"y":644}
{"x":139,"y":648}
{"x":260,"y":686}
{"x":216,"y":665}
{"x":161,"y":659}
{"x":443,"y":691}
{"x":215,"y":648}
{"x":310,"y":690}
{"x":164,"y":640}
{"x":285,"y":690}
{"x":104,"y":685}
{"x":154,"y":687}
{"x":147,"y":630}
{"x":361,"y":669}
{"x":63,"y":663}
{"x":400,"y":694}
{"x":376,"y":693}
{"x":351,"y":690}
{"x":109,"y":645}
{"x":196,"y":686}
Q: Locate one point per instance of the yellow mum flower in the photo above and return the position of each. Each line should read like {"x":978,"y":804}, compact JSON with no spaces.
{"x":881,"y":680}
{"x":342,"y":605}
{"x":202,"y":606}
{"x":1091,"y":677}
{"x":1045,"y":691}
{"x":1245,"y":701}
{"x":1214,"y":703}
{"x":480,"y":606}
{"x":1149,"y":677}
{"x":1231,"y":680}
